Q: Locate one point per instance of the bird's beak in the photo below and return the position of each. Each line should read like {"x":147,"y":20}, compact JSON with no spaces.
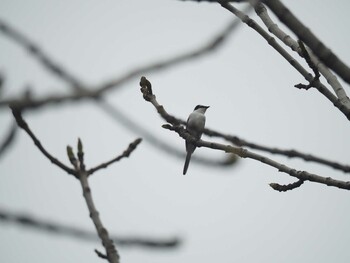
{"x":207,"y":107}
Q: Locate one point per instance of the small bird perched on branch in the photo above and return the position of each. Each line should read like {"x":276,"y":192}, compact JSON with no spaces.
{"x":195,"y":126}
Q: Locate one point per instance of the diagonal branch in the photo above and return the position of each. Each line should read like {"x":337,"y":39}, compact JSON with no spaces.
{"x":288,"y":153}
{"x":81,"y":91}
{"x":244,"y":153}
{"x":9,"y":139}
{"x":208,"y":47}
{"x":306,"y":35}
{"x":271,"y":41}
{"x":132,"y":146}
{"x":34,"y":50}
{"x":22,"y":124}
{"x":112,"y":253}
{"x":154,"y":141}
{"x":290,"y":42}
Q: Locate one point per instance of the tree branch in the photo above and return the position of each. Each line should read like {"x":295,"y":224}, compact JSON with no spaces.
{"x":306,"y":35}
{"x":288,"y":153}
{"x":22,"y":124}
{"x":27,"y":220}
{"x":9,"y":139}
{"x":271,"y":41}
{"x":81,"y":91}
{"x":112,"y":254}
{"x":79,"y":165}
{"x":290,"y":42}
{"x":35,"y":51}
{"x":149,"y":96}
{"x":288,"y":187}
{"x":244,"y":153}
{"x":132,"y":146}
{"x":155,"y":141}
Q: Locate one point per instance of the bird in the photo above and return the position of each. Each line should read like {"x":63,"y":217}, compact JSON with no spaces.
{"x":194,"y":126}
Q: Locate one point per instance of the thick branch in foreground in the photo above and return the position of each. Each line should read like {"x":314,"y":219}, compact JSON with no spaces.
{"x":290,"y":42}
{"x":273,"y":43}
{"x":244,"y":153}
{"x":306,"y":35}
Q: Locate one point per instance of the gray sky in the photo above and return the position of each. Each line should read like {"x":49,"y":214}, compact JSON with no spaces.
{"x":222,"y":214}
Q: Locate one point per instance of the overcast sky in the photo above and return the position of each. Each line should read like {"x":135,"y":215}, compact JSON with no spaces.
{"x":221,"y":214}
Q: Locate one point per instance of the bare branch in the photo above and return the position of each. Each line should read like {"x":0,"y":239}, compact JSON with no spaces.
{"x":288,"y":153}
{"x":27,"y":220}
{"x":149,"y":96}
{"x":290,"y":42}
{"x":112,"y":254}
{"x":271,"y":41}
{"x":244,"y":153}
{"x":21,"y":123}
{"x":154,"y":141}
{"x":288,"y":187}
{"x":132,"y":146}
{"x":111,"y":251}
{"x":209,"y":46}
{"x":9,"y":139}
{"x":306,"y":35}
{"x":34,"y":50}
{"x":81,"y":91}
{"x":100,"y":254}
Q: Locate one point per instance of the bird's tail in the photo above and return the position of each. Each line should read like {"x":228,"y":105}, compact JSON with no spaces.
{"x":187,"y":162}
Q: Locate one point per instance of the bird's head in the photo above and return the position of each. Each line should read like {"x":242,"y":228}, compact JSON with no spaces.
{"x":201,"y":107}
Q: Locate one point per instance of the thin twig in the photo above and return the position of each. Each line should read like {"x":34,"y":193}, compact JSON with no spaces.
{"x":149,"y":96}
{"x":27,"y":220}
{"x":100,"y":254}
{"x":22,"y":124}
{"x":132,"y":146}
{"x":287,"y":187}
{"x":9,"y":138}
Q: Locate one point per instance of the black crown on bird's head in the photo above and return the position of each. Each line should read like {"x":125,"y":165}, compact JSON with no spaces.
{"x":201,"y":107}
